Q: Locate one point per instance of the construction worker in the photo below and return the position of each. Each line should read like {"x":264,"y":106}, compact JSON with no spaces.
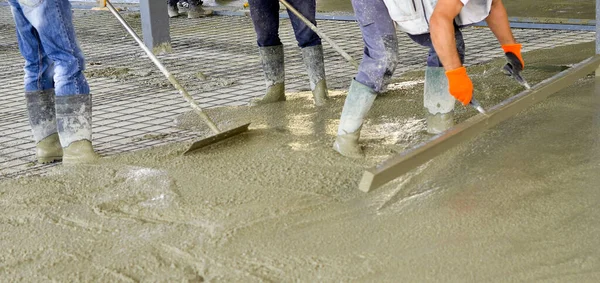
{"x":445,"y":78}
{"x":193,"y":8}
{"x":265,"y":16}
{"x":442,"y":35}
{"x":57,"y":94}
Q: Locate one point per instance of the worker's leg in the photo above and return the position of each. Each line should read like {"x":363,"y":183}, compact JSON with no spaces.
{"x":304,"y":35}
{"x":39,"y":89}
{"x":436,"y":98}
{"x":52,"y":19}
{"x":195,"y":9}
{"x":265,"y":16}
{"x":172,"y":8}
{"x":312,"y":50}
{"x":377,"y":67}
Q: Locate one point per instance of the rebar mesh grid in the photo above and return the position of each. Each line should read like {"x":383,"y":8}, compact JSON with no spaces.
{"x":133,"y":103}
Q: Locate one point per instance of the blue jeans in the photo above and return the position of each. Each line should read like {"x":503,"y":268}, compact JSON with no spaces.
{"x":380,"y":53}
{"x":265,"y":16}
{"x":47,"y":41}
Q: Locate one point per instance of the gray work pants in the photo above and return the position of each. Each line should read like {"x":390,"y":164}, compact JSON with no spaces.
{"x":381,"y":43}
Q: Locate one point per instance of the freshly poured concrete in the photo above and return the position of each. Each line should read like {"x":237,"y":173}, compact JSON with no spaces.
{"x":277,"y":204}
{"x":573,"y":9}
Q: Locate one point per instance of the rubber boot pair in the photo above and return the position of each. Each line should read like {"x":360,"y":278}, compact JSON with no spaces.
{"x":438,"y":102}
{"x":272,"y":59}
{"x":61,"y":127}
{"x":358,"y":103}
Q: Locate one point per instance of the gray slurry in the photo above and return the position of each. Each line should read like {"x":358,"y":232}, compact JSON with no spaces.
{"x":519,"y":203}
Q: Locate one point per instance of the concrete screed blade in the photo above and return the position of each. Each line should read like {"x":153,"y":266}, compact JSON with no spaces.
{"x":216,"y":138}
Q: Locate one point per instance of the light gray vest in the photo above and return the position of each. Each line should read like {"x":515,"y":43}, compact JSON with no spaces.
{"x":412,"y":16}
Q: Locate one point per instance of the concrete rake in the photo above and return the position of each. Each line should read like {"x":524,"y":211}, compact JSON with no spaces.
{"x":218,"y":134}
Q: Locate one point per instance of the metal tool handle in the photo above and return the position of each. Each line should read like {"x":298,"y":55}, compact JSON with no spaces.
{"x":164,"y":70}
{"x":511,"y":72}
{"x":322,"y":35}
{"x":477,"y":106}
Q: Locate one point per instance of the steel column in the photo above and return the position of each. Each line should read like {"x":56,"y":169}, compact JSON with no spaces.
{"x":155,"y":25}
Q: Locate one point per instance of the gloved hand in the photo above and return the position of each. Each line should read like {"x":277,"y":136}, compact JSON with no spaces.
{"x":515,"y":63}
{"x":460,"y":85}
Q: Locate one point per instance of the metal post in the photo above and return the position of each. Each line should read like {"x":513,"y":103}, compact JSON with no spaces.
{"x":155,"y":25}
{"x":101,"y":5}
{"x":598,"y":33}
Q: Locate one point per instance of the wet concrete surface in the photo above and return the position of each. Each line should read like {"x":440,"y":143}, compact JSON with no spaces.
{"x":519,"y":203}
{"x":575,"y":9}
{"x":334,"y":6}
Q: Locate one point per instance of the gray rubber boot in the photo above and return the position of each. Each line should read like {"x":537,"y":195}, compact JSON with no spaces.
{"x":181,"y":8}
{"x":315,"y":67}
{"x":196,"y":11}
{"x":274,"y":69}
{"x":42,"y":118}
{"x":74,"y":120}
{"x":173,"y":11}
{"x":358,"y":103}
{"x":438,"y":102}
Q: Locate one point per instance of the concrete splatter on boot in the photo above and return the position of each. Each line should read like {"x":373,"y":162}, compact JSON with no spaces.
{"x":173,"y":11}
{"x":196,"y":11}
{"x":437,"y":100}
{"x":274,"y":69}
{"x":182,"y":7}
{"x":42,"y":118}
{"x":358,"y":103}
{"x":315,"y":67}
{"x":74,"y":120}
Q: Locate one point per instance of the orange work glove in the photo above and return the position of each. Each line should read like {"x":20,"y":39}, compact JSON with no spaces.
{"x":460,"y":85}
{"x":513,"y":55}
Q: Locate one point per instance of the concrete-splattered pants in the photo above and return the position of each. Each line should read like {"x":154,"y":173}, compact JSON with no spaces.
{"x":265,"y":16}
{"x":381,"y":43}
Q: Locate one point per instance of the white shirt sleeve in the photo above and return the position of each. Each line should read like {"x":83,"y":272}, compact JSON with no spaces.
{"x":464,"y":2}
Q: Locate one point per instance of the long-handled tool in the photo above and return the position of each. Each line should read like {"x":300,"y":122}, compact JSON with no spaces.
{"x":219,"y":135}
{"x":410,"y":159}
{"x":321,"y":34}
